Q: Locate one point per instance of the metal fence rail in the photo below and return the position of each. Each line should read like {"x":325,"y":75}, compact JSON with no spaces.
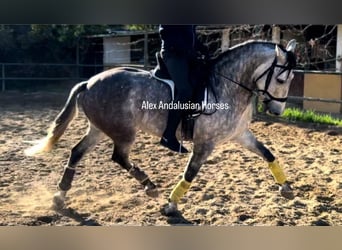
{"x":45,"y":71}
{"x":313,"y":99}
{"x":74,"y":74}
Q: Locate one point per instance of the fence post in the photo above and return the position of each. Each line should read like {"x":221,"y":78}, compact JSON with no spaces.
{"x":339,"y":48}
{"x":3,"y":87}
{"x":275,"y":34}
{"x":255,"y":101}
{"x":78,"y":59}
{"x":225,"y":39}
{"x":145,"y":49}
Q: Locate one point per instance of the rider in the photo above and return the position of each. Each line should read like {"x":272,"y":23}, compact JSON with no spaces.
{"x":178,"y":48}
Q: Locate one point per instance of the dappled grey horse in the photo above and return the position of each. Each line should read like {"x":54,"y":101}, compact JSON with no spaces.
{"x":113,"y":103}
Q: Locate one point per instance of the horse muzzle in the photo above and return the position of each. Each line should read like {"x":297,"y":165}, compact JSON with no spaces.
{"x":273,"y":107}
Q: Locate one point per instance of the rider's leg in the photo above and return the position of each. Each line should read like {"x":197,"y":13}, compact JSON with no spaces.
{"x":178,"y":67}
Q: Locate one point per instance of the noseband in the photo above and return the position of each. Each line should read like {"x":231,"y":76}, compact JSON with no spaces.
{"x":270,"y":72}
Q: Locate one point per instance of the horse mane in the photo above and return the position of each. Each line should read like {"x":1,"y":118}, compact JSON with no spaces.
{"x":290,"y":55}
{"x":236,"y":47}
{"x":251,"y":42}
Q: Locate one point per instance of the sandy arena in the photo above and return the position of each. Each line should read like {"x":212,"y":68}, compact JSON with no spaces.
{"x":234,"y":187}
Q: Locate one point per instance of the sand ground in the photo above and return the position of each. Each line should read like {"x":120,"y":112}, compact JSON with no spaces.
{"x":234,"y":187}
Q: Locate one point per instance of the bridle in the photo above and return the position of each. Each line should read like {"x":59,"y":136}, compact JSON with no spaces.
{"x":288,"y":66}
{"x":270,"y":71}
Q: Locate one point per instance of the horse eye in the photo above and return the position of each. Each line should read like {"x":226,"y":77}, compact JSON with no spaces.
{"x":280,"y":80}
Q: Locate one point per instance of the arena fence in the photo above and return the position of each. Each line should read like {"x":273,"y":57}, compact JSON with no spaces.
{"x":17,"y":76}
{"x":316,"y":90}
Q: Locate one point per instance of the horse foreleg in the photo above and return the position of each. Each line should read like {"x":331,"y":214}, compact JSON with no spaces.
{"x":248,"y":140}
{"x":77,"y":152}
{"x":121,"y":156}
{"x":198,"y":157}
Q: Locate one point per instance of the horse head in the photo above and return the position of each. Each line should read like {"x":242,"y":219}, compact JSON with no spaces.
{"x":273,"y":78}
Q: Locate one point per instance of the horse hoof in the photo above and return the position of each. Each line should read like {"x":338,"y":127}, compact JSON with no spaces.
{"x":171,"y":209}
{"x":58,"y":200}
{"x":152,"y":192}
{"x":286,"y":191}
{"x":151,"y":189}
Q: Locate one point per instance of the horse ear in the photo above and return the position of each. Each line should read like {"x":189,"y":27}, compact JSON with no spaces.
{"x":291,"y":45}
{"x":277,"y":49}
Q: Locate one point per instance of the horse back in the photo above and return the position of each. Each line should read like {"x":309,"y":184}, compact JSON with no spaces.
{"x":117,"y":98}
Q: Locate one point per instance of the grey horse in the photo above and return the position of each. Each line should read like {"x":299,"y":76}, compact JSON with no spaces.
{"x":120,"y":101}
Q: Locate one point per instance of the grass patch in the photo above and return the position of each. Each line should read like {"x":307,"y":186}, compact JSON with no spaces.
{"x":295,"y":114}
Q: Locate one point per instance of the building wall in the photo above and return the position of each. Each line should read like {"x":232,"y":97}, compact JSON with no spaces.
{"x":116,"y":50}
{"x":322,"y":85}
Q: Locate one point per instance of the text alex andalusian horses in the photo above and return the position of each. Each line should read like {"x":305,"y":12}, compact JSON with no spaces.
{"x":112,"y":102}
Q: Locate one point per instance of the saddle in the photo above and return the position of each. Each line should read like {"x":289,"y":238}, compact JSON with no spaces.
{"x":161,"y":73}
{"x":200,"y":97}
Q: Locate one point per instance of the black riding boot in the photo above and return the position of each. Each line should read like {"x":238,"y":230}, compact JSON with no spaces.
{"x":169,"y":139}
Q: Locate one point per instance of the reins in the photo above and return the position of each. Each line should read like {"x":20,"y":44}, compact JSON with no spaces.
{"x":288,"y":66}
{"x":237,"y":83}
{"x":270,"y":71}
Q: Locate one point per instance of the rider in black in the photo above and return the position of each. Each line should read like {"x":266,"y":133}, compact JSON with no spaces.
{"x":179,"y":47}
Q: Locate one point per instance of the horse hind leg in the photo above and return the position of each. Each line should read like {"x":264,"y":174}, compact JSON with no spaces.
{"x":121,"y":156}
{"x":77,"y":152}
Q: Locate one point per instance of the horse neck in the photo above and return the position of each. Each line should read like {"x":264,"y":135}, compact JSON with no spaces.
{"x":240,"y":67}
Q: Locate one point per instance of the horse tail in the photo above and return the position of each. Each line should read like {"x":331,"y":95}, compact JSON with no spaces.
{"x":60,"y":123}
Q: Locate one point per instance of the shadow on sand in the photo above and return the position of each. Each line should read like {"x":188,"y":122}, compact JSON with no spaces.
{"x":176,"y":218}
{"x":83,"y":219}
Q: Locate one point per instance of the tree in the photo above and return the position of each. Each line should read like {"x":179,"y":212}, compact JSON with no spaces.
{"x":45,"y":43}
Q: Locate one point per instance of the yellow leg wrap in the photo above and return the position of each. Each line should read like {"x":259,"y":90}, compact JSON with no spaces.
{"x":179,"y":190}
{"x":277,"y":172}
